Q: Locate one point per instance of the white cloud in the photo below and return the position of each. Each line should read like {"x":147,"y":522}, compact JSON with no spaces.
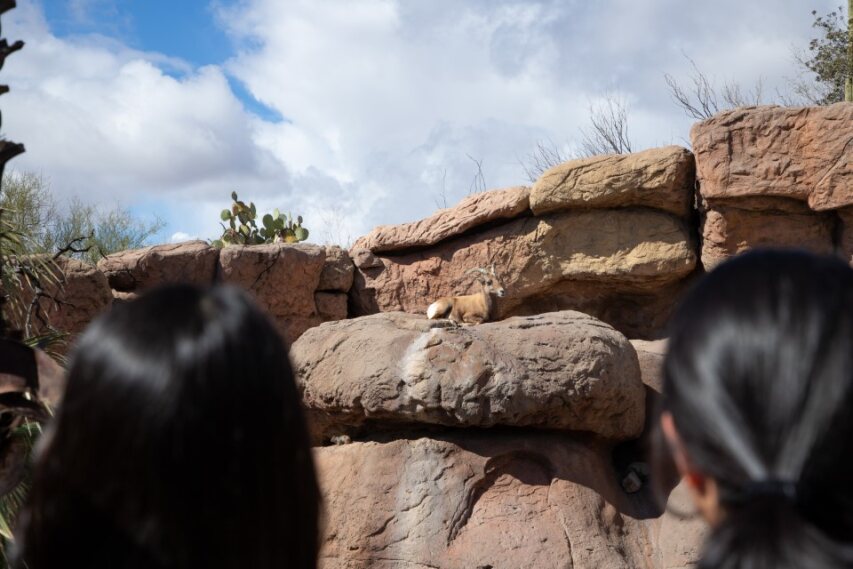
{"x":180,"y":236}
{"x":385,"y":100}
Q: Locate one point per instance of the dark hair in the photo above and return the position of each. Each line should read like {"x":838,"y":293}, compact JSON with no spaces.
{"x":759,"y":381}
{"x":180,"y":443}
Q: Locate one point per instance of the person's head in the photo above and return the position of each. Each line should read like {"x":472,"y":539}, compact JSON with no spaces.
{"x":758,"y":409}
{"x":180,"y":443}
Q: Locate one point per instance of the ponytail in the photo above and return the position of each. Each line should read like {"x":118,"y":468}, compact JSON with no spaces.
{"x":770,"y":532}
{"x":758,"y":378}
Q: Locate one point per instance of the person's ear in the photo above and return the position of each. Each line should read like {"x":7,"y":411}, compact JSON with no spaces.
{"x":702,"y":487}
{"x":673,"y":441}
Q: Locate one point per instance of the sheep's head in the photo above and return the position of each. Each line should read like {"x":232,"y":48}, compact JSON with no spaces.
{"x":489,"y":279}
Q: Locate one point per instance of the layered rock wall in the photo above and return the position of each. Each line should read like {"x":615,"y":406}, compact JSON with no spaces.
{"x":522,"y":442}
{"x":775,"y":176}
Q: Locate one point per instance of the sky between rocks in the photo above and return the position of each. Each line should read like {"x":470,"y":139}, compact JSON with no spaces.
{"x":354,"y":113}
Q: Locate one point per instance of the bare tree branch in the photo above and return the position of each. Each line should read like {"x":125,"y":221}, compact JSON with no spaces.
{"x":608,"y":131}
{"x":545,"y":156}
{"x":703,"y":99}
{"x":478,"y":184}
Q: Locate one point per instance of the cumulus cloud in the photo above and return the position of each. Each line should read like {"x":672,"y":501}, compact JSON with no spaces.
{"x":391,"y":106}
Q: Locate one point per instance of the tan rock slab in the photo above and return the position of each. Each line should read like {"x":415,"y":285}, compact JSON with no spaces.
{"x":192,"y":262}
{"x":804,"y":153}
{"x":561,"y":370}
{"x":472,"y":211}
{"x":659,"y":178}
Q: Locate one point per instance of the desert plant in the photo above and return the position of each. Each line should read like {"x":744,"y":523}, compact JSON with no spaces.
{"x":50,"y":226}
{"x":242,"y":228}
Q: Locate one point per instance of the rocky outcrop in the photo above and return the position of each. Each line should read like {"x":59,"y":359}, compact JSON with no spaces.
{"x":281,"y":277}
{"x":73,"y":294}
{"x":609,"y":236}
{"x":134,"y":270}
{"x":618,"y":265}
{"x":659,"y":178}
{"x":492,"y":445}
{"x":473,"y":211}
{"x":560,"y":370}
{"x":471,"y":499}
{"x":299,"y":285}
{"x":775,"y":176}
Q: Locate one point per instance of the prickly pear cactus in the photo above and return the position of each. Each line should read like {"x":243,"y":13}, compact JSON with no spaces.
{"x":242,"y":228}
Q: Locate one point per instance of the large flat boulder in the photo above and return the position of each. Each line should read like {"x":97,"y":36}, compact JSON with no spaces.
{"x":561,"y":371}
{"x":282,"y":277}
{"x":803,"y":153}
{"x":192,"y":262}
{"x":659,"y":178}
{"x":585,"y":260}
{"x":474,"y":210}
{"x":474,"y":500}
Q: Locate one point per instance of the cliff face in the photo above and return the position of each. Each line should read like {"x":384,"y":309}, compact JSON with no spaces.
{"x":523,"y":442}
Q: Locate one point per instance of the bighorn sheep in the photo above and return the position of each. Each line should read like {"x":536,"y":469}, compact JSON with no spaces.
{"x":471,"y":308}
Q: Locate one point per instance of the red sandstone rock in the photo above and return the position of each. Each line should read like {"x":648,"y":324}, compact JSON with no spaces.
{"x":337,"y":271}
{"x":282,"y":277}
{"x":624,"y":266}
{"x":505,"y":501}
{"x":804,"y":153}
{"x":191,"y":262}
{"x":474,"y":210}
{"x":659,"y":178}
{"x":561,"y":370}
{"x":331,"y":305}
{"x":82,"y":292}
{"x":729,"y":229}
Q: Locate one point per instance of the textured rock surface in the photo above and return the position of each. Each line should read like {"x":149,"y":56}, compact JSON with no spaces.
{"x":735,"y":227}
{"x":659,"y":178}
{"x":801,"y":153}
{"x":650,"y":355}
{"x":478,"y":500}
{"x":472,"y":211}
{"x":337,"y":271}
{"x":282,"y":278}
{"x":603,"y":262}
{"x":331,"y":305}
{"x":137,"y":269}
{"x":560,"y":370}
{"x":83,"y":294}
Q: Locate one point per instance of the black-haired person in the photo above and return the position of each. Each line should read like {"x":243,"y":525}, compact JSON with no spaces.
{"x":758,"y":410}
{"x":180,"y":443}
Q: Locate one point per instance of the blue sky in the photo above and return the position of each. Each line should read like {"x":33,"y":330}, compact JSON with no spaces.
{"x":354,"y":113}
{"x":186,"y":29}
